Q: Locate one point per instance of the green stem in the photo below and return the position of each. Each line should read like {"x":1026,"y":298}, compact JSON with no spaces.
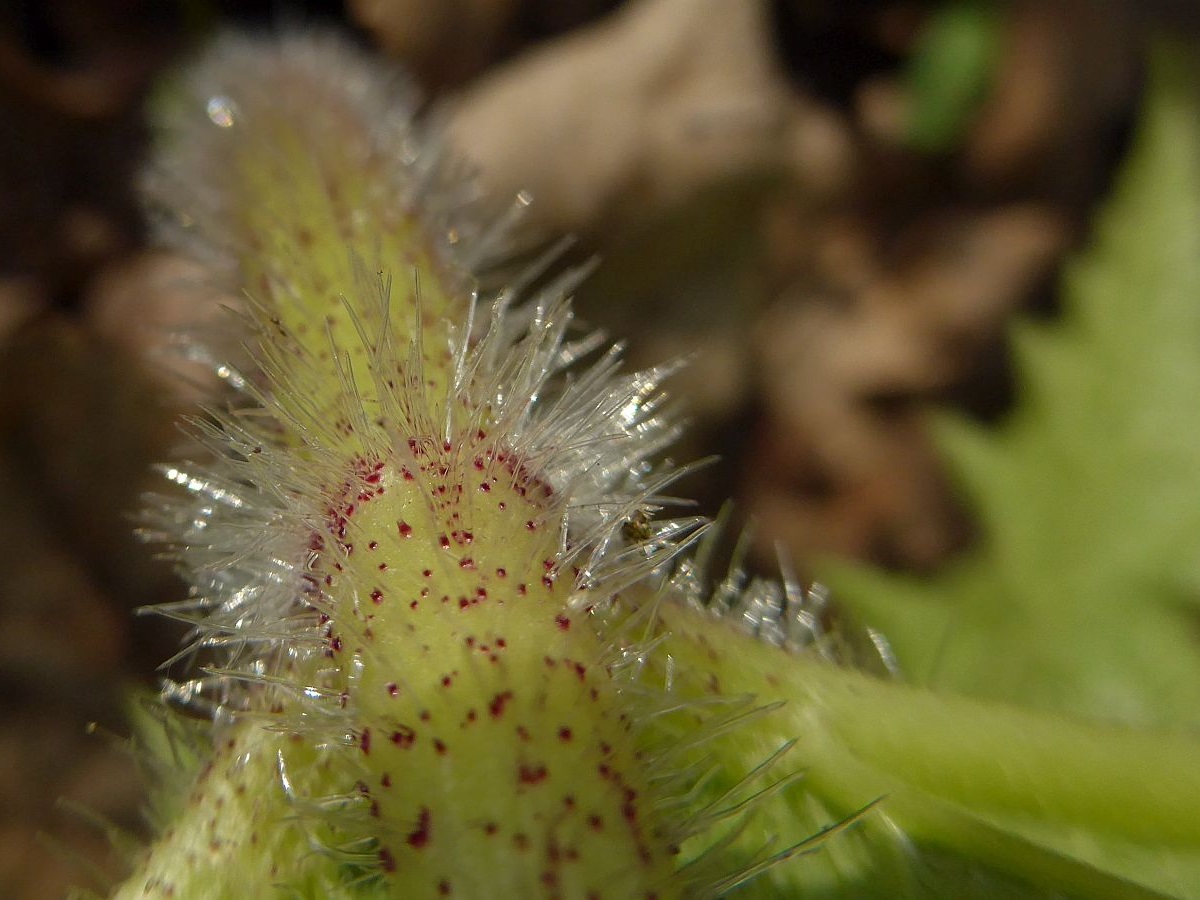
{"x":1049,"y":800}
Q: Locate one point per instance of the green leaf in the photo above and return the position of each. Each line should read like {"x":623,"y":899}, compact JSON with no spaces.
{"x":962,"y":797}
{"x":1083,"y":595}
{"x":950,"y":72}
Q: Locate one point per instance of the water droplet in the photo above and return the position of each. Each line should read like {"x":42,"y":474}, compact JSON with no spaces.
{"x":221,"y":111}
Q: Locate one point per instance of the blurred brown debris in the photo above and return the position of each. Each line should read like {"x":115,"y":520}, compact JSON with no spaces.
{"x":638,"y":112}
{"x":79,"y":425}
{"x":448,"y":42}
{"x":756,"y":206}
{"x":850,"y":366}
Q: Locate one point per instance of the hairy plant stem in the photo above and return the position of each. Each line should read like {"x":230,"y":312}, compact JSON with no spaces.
{"x":1059,"y":803}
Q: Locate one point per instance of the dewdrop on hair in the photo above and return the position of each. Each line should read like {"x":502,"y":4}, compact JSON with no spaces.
{"x":407,"y":539}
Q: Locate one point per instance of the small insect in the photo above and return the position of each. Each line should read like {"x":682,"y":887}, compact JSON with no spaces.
{"x":636,"y":529}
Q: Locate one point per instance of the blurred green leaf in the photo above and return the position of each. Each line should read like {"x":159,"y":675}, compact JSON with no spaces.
{"x":950,"y":73}
{"x":1084,"y":594}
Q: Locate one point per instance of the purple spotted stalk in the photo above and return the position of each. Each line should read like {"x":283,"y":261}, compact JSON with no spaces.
{"x":407,"y":542}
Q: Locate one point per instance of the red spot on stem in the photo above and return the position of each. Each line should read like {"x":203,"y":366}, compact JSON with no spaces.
{"x":496,"y":707}
{"x":531,"y":774}
{"x":420,"y":837}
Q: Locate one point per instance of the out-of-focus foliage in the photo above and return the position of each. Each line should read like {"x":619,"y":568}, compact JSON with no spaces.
{"x":950,"y":72}
{"x":1082,"y":595}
